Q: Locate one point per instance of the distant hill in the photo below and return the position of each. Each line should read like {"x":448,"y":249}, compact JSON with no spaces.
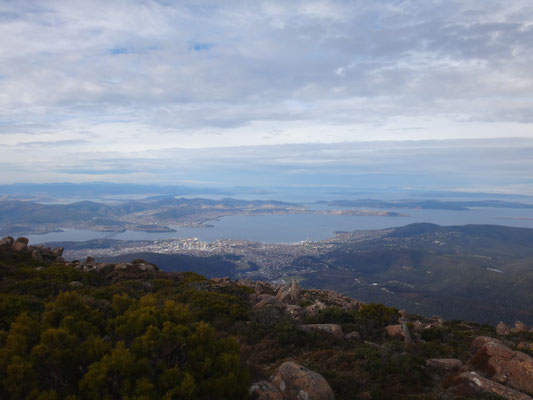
{"x":427,"y":204}
{"x":476,"y":272}
{"x":152,"y":214}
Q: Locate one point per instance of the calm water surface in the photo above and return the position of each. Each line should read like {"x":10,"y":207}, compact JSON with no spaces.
{"x":293,"y":228}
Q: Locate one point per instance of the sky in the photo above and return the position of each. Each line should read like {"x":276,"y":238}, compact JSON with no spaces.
{"x":422,"y":94}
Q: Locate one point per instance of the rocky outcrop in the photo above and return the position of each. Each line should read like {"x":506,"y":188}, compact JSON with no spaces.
{"x":6,"y":242}
{"x":331,"y":298}
{"x":266,"y":300}
{"x":20,"y":244}
{"x":315,"y":308}
{"x":36,"y":255}
{"x":332,"y":329}
{"x":499,"y":363}
{"x":292,"y":381}
{"x":39,"y":253}
{"x":519,"y":327}
{"x":291,"y":301}
{"x":289,"y":294}
{"x":503,"y":330}
{"x":475,"y":385}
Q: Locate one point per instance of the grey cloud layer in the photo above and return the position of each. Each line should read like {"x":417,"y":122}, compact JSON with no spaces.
{"x":497,"y":164}
{"x":221,"y":64}
{"x":106,"y":88}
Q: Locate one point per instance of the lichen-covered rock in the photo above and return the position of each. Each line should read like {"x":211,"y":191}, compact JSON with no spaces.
{"x":295,"y":381}
{"x":499,"y":363}
{"x":474,"y":384}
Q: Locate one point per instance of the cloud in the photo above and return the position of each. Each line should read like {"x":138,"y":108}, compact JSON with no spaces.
{"x":134,"y":77}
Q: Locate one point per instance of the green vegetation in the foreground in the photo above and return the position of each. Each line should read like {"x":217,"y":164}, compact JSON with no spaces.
{"x":141,"y":334}
{"x":136,"y":338}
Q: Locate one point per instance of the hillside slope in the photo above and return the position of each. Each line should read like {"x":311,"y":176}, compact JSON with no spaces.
{"x":91,"y":330}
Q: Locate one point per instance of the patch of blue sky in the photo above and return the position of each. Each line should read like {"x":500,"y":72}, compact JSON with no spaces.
{"x":120,"y":50}
{"x":198,"y":46}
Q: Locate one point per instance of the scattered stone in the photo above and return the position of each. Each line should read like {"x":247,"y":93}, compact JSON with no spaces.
{"x":295,"y":381}
{"x":352,"y":336}
{"x":76,"y":284}
{"x":333,"y":329}
{"x":264,"y":390}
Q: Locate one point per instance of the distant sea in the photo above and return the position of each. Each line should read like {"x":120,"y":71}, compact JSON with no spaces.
{"x":295,"y":228}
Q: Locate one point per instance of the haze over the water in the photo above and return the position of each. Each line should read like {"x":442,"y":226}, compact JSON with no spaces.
{"x":328,"y":94}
